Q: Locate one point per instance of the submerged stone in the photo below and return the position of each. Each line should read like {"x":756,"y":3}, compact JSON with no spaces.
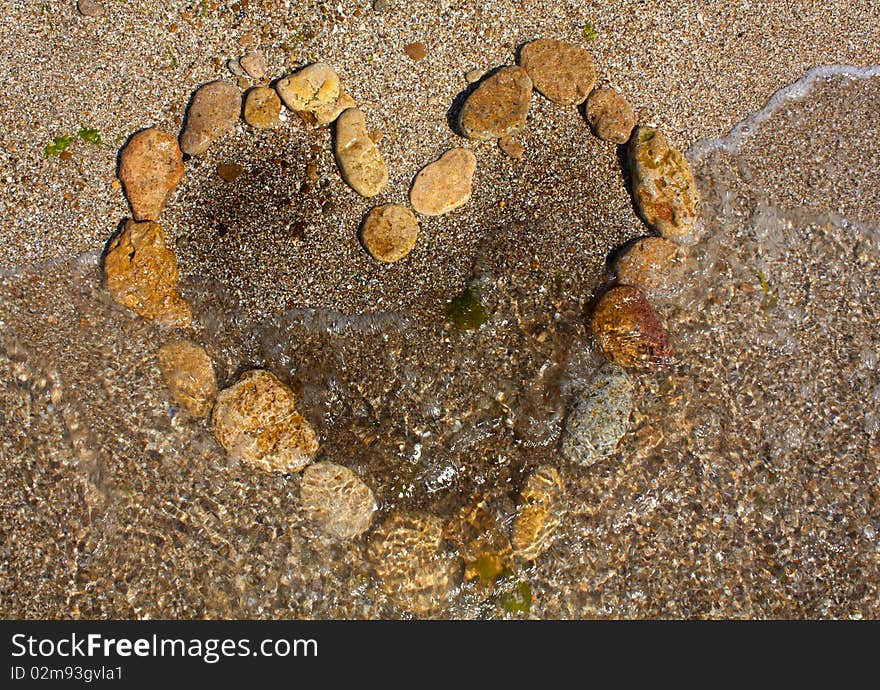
{"x":628,"y":332}
{"x":542,"y":507}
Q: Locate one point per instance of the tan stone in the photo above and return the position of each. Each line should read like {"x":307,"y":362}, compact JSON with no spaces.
{"x":253,"y":64}
{"x":481,"y":542}
{"x":499,"y":105}
{"x":150,"y":167}
{"x":628,"y":332}
{"x":511,"y":147}
{"x":357,"y":156}
{"x":654,"y":265}
{"x":213,"y":111}
{"x":140,"y":271}
{"x":390,"y":232}
{"x":329,"y":113}
{"x":337,"y":500}
{"x":664,"y":188}
{"x":445,"y":184}
{"x":312,"y":88}
{"x":562,"y":72}
{"x":189,"y":375}
{"x":256,"y":421}
{"x":542,"y":507}
{"x":408,"y":558}
{"x":262,"y":107}
{"x":415,"y":51}
{"x":610,"y":116}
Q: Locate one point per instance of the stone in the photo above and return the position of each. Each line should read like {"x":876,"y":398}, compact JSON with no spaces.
{"x":380,"y":5}
{"x":654,"y":265}
{"x":262,"y":107}
{"x":229,"y":172}
{"x":511,"y":147}
{"x":150,"y":167}
{"x":562,"y":72}
{"x":445,"y":184}
{"x":329,"y":113}
{"x":337,"y":500}
{"x":610,"y":116}
{"x":312,"y":88}
{"x":189,"y":374}
{"x":90,"y":8}
{"x":140,"y":271}
{"x":599,"y":417}
{"x":473,"y":76}
{"x":213,"y":111}
{"x":407,"y":555}
{"x":415,"y":51}
{"x":628,"y":332}
{"x":541,"y":508}
{"x":357,"y":156}
{"x":499,"y":105}
{"x":256,"y":421}
{"x":253,"y":64}
{"x":481,"y":542}
{"x":390,"y":232}
{"x":664,"y":189}
{"x":234,"y":66}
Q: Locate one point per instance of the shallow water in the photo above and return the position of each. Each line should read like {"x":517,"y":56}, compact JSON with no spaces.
{"x":747,"y":485}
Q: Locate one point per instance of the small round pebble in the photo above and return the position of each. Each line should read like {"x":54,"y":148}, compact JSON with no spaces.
{"x":474,"y":76}
{"x":599,"y":417}
{"x":390,"y":232}
{"x":253,"y":64}
{"x":541,"y":508}
{"x":229,"y":172}
{"x":610,"y":116}
{"x":337,"y":500}
{"x":511,"y":147}
{"x":262,"y":107}
{"x":189,"y":375}
{"x":655,"y":265}
{"x":213,"y":111}
{"x":90,"y":8}
{"x":415,"y":51}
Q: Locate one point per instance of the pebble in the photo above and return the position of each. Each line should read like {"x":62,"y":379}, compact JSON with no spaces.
{"x":610,"y":116}
{"x":329,"y":113}
{"x":150,"y":167}
{"x":415,"y":51}
{"x":541,"y":508}
{"x":310,"y":89}
{"x":390,"y":232}
{"x":599,"y":417}
{"x":256,"y":421}
{"x":213,"y":112}
{"x":664,"y":189}
{"x":90,"y":8}
{"x":262,"y":107}
{"x":357,"y":156}
{"x":474,"y":76}
{"x":234,"y":66}
{"x":381,"y":5}
{"x":229,"y":172}
{"x":499,"y":105}
{"x":189,"y":375}
{"x":140,"y":271}
{"x":445,"y":184}
{"x":628,"y":332}
{"x":481,"y":542}
{"x":654,"y":265}
{"x":253,"y":64}
{"x":407,"y":556}
{"x":511,"y":147}
{"x":337,"y":500}
{"x":562,"y":72}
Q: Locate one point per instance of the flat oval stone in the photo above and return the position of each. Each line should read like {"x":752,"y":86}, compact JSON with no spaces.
{"x":328,"y":113}
{"x":150,"y":167}
{"x":445,"y":184}
{"x":256,"y":421}
{"x":140,"y":271}
{"x":628,"y":332}
{"x":610,"y":116}
{"x":541,"y":508}
{"x":337,"y":500}
{"x":499,"y":105}
{"x":408,"y":559}
{"x":599,"y":417}
{"x":664,"y":189}
{"x":262,"y":107}
{"x":654,"y":265}
{"x":390,"y":232}
{"x":562,"y":72}
{"x":253,"y":64}
{"x":313,"y":87}
{"x":213,"y":111}
{"x":357,"y":156}
{"x":189,"y":374}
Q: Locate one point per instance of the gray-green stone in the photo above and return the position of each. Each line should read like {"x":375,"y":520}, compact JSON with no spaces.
{"x":599,"y":418}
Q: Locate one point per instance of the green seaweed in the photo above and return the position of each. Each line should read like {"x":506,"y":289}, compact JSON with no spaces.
{"x":173,"y":57}
{"x":466,"y":312}
{"x":58,"y":146}
{"x":770,"y":299}
{"x":589,"y":33}
{"x":90,"y":134}
{"x":518,"y":599}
